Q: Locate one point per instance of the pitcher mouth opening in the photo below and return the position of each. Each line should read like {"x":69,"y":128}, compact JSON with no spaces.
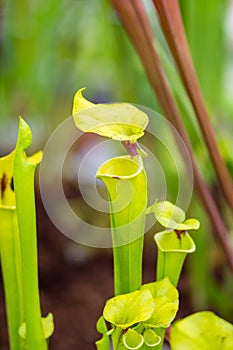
{"x":167,"y":241}
{"x":124,"y":167}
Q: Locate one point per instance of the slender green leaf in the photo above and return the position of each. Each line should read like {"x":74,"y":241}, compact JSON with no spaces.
{"x":24,"y":169}
{"x":11,"y":271}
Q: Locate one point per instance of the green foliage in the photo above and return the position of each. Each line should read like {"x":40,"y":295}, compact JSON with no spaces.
{"x":128,"y":309}
{"x":174,"y":243}
{"x":10,"y":252}
{"x":24,"y":169}
{"x":171,"y":241}
{"x":31,"y":81}
{"x":47,"y":324}
{"x":135,"y":316}
{"x":104,"y":342}
{"x":132,"y":340}
{"x":41,"y":62}
{"x":126,"y":183}
{"x":18,"y":244}
{"x":172,"y":217}
{"x":203,"y":330}
{"x":205,"y":24}
{"x":166,"y":303}
{"x":151,"y":339}
{"x":173,"y":248}
{"x":119,"y":121}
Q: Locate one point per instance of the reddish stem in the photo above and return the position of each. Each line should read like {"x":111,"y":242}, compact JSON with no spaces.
{"x":172,"y":24}
{"x":134,"y":19}
{"x":131,"y":148}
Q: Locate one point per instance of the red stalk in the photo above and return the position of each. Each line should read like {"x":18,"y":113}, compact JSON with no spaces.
{"x":134,"y":19}
{"x":172,"y":24}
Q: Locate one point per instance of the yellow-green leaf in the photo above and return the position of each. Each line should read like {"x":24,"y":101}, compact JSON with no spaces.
{"x":202,"y":330}
{"x":127,"y":309}
{"x":167,"y":214}
{"x":166,"y":300}
{"x":119,"y":121}
{"x":80,"y":103}
{"x":173,"y":217}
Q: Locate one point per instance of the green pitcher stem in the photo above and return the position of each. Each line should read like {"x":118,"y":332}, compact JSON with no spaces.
{"x":161,"y":332}
{"x":172,"y":251}
{"x":126,"y":183}
{"x":27,"y":225}
{"x":170,"y":265}
{"x":116,"y":337}
{"x":24,"y":169}
{"x":127,"y":268}
{"x":11,"y":270}
{"x":127,"y":258}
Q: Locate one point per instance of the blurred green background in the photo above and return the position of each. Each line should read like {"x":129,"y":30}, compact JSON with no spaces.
{"x":49,"y":49}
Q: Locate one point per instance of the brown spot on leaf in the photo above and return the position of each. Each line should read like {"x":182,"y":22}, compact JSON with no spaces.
{"x":12,"y":184}
{"x":179,"y":233}
{"x":3,"y":184}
